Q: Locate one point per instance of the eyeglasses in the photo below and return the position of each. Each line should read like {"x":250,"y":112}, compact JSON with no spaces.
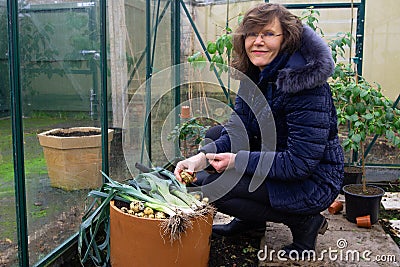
{"x":266,"y":36}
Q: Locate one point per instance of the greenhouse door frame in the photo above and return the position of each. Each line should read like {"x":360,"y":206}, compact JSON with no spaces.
{"x":16,"y":103}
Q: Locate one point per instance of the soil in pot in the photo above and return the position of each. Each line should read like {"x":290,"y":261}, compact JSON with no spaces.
{"x":74,"y":133}
{"x":358,"y":190}
{"x":360,"y":203}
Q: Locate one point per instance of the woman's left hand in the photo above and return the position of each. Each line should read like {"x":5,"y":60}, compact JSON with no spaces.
{"x":221,"y":161}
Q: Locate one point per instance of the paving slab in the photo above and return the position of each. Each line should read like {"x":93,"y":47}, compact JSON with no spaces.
{"x":395,"y":227}
{"x":391,"y":201}
{"x":343,"y":244}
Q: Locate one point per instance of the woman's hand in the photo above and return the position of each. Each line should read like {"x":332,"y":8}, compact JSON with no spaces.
{"x":193,"y":164}
{"x":221,"y":161}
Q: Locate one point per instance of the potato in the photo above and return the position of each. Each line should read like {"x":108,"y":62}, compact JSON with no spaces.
{"x":188,"y":177}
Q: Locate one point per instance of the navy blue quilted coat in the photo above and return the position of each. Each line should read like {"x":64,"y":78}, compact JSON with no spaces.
{"x":293,"y":145}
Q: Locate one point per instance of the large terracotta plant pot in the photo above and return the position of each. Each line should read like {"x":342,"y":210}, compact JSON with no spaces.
{"x":138,"y":241}
{"x":73,"y":162}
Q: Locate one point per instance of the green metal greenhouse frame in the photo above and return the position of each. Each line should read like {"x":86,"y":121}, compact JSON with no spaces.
{"x":16,"y":102}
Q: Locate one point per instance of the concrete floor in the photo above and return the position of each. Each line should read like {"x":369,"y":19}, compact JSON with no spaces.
{"x":343,"y":244}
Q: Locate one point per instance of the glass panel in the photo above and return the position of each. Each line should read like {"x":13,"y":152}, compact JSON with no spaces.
{"x":127,"y":65}
{"x":383,"y":152}
{"x":160,"y":20}
{"x":61,"y":87}
{"x":8,"y":225}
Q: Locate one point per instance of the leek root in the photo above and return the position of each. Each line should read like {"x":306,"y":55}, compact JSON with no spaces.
{"x":164,"y":199}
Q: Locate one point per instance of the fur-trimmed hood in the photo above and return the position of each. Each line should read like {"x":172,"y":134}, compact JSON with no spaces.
{"x":309,"y":67}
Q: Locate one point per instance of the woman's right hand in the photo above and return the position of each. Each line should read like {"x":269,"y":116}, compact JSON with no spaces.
{"x":221,"y":161}
{"x":193,"y":164}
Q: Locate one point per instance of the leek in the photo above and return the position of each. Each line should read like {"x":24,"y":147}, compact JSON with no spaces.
{"x":160,"y":189}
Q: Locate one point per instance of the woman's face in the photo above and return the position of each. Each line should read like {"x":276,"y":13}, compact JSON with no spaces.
{"x":263,"y":46}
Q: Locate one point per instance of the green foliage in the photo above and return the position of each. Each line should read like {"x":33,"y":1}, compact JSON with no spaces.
{"x":339,"y":44}
{"x":81,"y":38}
{"x":311,"y":17}
{"x":190,"y":133}
{"x":197,"y":60}
{"x":38,"y":51}
{"x":35,"y":52}
{"x":3,"y":32}
{"x":219,"y":51}
{"x":362,"y":106}
{"x":190,"y":129}
{"x":39,"y":213}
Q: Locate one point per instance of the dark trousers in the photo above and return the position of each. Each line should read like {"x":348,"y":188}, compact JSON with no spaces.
{"x":230,"y":194}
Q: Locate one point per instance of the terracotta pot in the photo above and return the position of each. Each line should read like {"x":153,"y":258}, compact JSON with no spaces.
{"x":335,"y":207}
{"x":185,"y":112}
{"x":73,"y":162}
{"x":138,"y":241}
{"x":364,"y":221}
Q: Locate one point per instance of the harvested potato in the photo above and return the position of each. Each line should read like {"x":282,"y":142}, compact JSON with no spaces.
{"x":188,"y":177}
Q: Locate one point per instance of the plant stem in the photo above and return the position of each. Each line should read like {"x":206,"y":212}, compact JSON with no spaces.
{"x":185,"y":148}
{"x":364,"y":179}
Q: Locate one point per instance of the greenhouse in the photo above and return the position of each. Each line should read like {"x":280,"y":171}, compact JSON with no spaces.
{"x":103,"y":102}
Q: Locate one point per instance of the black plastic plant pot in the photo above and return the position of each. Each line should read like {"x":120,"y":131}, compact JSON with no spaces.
{"x":352,"y":175}
{"x":362,"y":204}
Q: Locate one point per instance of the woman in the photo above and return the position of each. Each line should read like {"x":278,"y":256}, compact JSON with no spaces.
{"x":290,"y":64}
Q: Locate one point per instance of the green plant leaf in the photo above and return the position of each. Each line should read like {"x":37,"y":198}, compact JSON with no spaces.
{"x":211,"y":47}
{"x":356,"y":138}
{"x":220,"y":44}
{"x":353,"y":118}
{"x":390,"y":134}
{"x":368,"y":116}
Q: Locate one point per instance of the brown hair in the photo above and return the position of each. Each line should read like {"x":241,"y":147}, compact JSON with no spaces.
{"x":258,"y":17}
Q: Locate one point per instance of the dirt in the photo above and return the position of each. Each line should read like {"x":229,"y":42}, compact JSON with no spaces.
{"x":74,"y":133}
{"x":353,"y":169}
{"x":358,"y":190}
{"x":234,"y":251}
{"x":43,"y":239}
{"x":388,"y":215}
{"x":381,"y":151}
